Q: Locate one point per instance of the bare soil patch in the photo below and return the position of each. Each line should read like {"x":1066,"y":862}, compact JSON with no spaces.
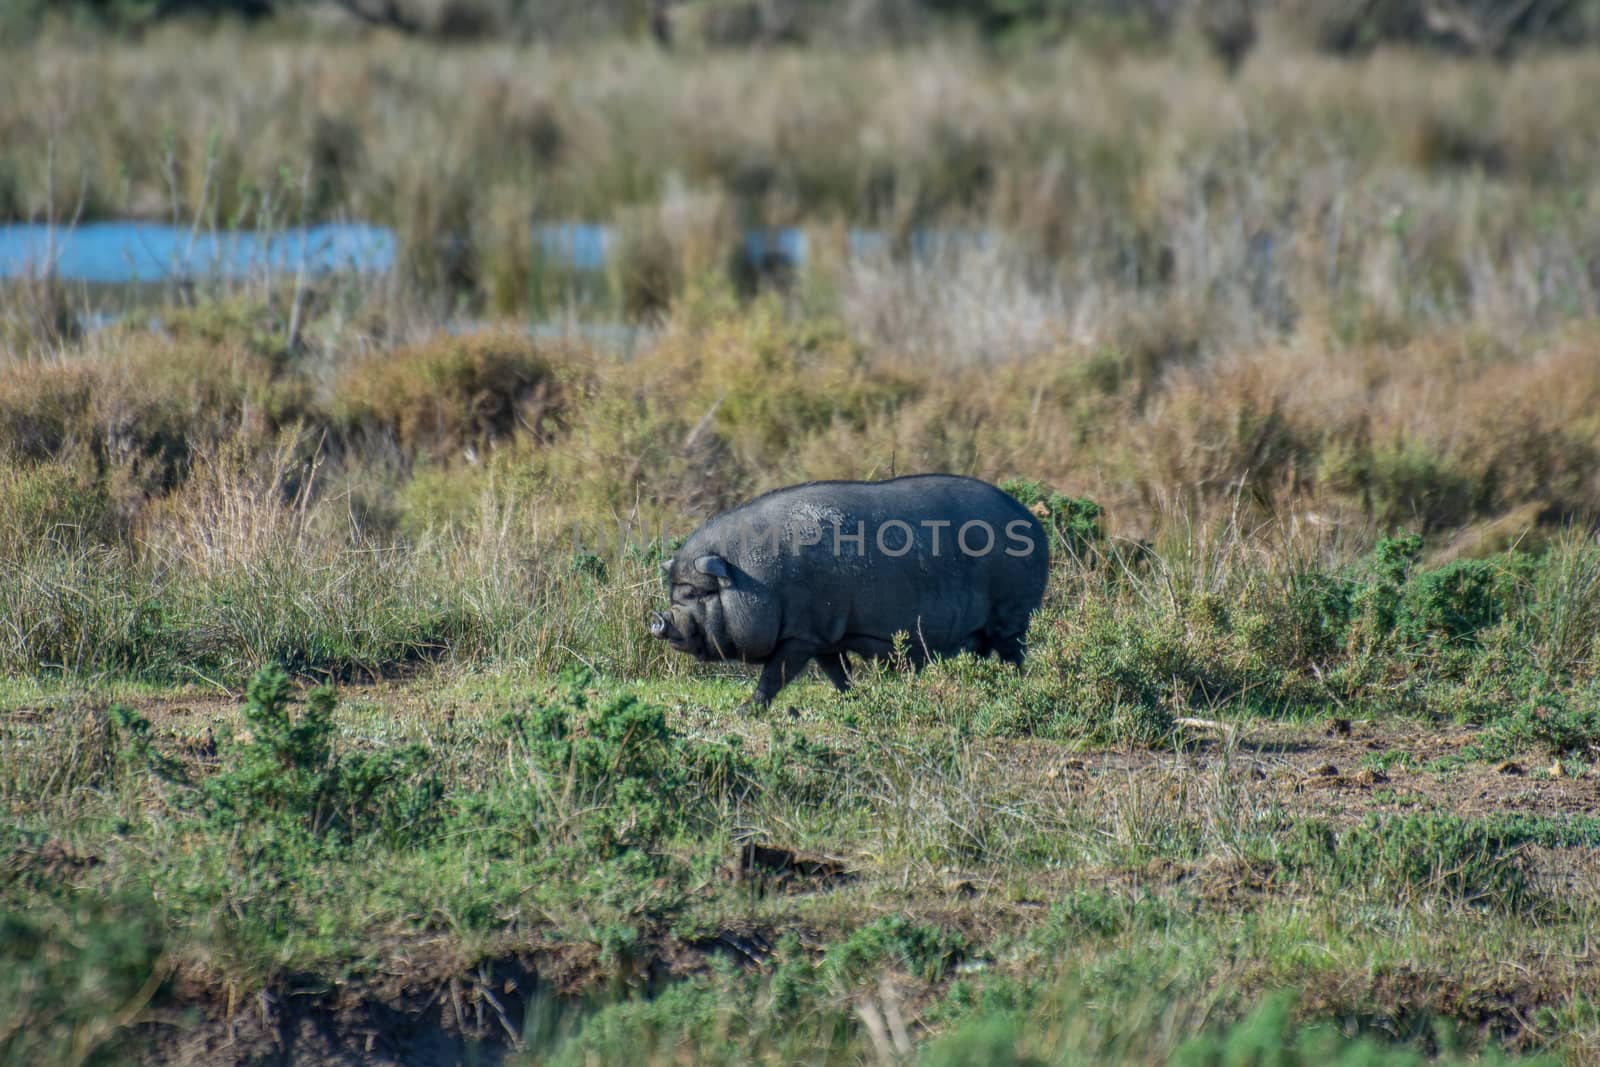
{"x":1328,"y":770}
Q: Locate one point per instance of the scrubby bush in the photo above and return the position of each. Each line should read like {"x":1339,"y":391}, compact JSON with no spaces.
{"x":139,"y":411}
{"x":55,"y":504}
{"x":1397,"y":603}
{"x":780,"y":382}
{"x":603,"y":782}
{"x":1455,"y":602}
{"x":1073,"y":522}
{"x":456,"y":394}
{"x":75,"y":966}
{"x":287,"y":772}
{"x":1560,"y":723}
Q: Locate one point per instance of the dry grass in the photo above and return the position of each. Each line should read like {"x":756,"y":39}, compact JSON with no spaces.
{"x":1312,"y":303}
{"x":1441,"y":433}
{"x":1154,"y":203}
{"x":400,"y":499}
{"x":455,"y":394}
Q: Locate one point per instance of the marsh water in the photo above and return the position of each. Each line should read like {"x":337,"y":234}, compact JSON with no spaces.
{"x":137,"y":252}
{"x":134,"y":253}
{"x":121,"y":269}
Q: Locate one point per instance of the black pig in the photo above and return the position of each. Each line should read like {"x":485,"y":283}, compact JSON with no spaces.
{"x":826,"y":569}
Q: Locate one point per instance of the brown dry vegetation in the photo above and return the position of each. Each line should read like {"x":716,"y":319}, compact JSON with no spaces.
{"x":1452,"y":433}
{"x":199,"y":497}
{"x":1145,"y":193}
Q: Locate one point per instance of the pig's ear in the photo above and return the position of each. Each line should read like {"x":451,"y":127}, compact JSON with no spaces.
{"x":716,"y":567}
{"x":666,"y":570}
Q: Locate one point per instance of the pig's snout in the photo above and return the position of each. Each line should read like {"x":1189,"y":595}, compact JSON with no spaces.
{"x":659,"y":626}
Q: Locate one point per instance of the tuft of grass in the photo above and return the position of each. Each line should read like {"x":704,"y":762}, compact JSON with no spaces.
{"x":1477,"y":862}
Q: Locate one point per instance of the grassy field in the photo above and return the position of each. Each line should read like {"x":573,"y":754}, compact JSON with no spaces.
{"x":330,"y":725}
{"x":1380,"y":194}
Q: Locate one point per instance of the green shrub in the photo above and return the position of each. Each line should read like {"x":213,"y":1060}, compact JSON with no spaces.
{"x":1561,"y":723}
{"x":926,"y":952}
{"x":75,"y":968}
{"x":1121,"y":673}
{"x":1401,"y":602}
{"x":1454,"y":602}
{"x":1074,"y":522}
{"x":143,"y":411}
{"x":1313,"y":623}
{"x":287,"y":773}
{"x":1111,"y":674}
{"x":53,"y":503}
{"x":1389,"y":567}
{"x":750,"y":373}
{"x":454,"y":393}
{"x":1271,"y":1035}
{"x":605,"y":780}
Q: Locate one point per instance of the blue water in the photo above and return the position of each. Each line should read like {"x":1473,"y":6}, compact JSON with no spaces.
{"x":141,"y":252}
{"x":132,"y":252}
{"x":577,"y":245}
{"x":771,"y":247}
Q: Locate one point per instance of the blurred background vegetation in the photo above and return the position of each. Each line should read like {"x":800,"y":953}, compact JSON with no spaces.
{"x":1333,"y":25}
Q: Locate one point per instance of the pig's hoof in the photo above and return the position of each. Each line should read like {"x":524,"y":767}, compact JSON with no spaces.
{"x":752,"y":707}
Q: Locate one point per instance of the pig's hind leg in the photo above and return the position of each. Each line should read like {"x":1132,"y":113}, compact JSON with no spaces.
{"x":1006,"y":634}
{"x":1009,"y":647}
{"x":837,"y":668}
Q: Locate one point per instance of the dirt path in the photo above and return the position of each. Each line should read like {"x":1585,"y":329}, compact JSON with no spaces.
{"x":1341,"y":771}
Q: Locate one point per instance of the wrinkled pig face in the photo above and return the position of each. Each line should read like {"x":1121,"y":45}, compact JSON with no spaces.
{"x":694,"y":621}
